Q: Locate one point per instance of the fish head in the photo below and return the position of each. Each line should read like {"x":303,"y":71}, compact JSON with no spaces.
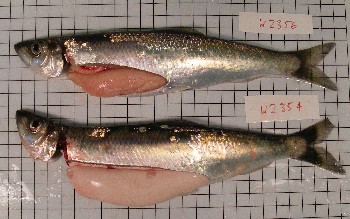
{"x":38,"y":135}
{"x":44,"y":57}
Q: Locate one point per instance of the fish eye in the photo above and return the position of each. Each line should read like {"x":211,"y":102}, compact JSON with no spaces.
{"x":35,"y":49}
{"x":34,"y":126}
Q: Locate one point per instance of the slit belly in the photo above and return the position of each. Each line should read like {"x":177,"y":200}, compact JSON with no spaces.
{"x":109,"y":81}
{"x":132,"y":187}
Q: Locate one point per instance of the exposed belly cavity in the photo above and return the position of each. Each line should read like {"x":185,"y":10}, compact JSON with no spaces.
{"x":132,"y":187}
{"x":109,"y":81}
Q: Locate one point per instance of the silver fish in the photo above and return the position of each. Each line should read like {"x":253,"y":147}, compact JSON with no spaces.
{"x":186,"y":59}
{"x":218,"y":154}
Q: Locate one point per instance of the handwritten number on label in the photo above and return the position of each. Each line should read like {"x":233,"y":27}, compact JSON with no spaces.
{"x":280,"y":108}
{"x":263,"y":111}
{"x":283,"y":107}
{"x":299,"y":106}
{"x":277,"y":24}
{"x":262,"y":23}
{"x":266,"y":108}
{"x":273,"y":108}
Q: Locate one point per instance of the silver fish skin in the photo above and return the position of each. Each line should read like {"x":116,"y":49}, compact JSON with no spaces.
{"x":218,"y":154}
{"x":186,"y":59}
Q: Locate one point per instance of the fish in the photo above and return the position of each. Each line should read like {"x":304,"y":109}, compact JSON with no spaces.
{"x":192,"y":152}
{"x":162,"y":61}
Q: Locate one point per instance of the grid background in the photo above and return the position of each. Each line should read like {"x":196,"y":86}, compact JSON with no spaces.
{"x":285,"y":189}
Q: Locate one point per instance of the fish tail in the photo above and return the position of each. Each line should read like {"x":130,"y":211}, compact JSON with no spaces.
{"x":309,"y":71}
{"x":317,"y":155}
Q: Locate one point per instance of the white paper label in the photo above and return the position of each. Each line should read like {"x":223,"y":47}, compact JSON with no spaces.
{"x":268,"y":108}
{"x":275,"y":23}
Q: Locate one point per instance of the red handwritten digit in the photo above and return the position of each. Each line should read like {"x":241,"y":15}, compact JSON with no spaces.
{"x":272,"y":22}
{"x":287,"y":24}
{"x":273,"y":108}
{"x":290,"y":24}
{"x":283,"y":105}
{"x":279,"y":24}
{"x":299,"y":106}
{"x":289,"y":107}
{"x":263,"y":111}
{"x":262,"y":23}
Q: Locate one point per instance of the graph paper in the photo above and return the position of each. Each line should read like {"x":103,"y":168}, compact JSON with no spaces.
{"x":285,"y":189}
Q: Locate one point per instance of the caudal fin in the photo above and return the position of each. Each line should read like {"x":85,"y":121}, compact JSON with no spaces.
{"x":309,"y":71}
{"x":317,"y":155}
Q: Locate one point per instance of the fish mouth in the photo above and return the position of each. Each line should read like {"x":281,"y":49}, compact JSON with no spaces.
{"x":17,"y":46}
{"x":22,"y":51}
{"x":21,"y":118}
{"x":113,"y":80}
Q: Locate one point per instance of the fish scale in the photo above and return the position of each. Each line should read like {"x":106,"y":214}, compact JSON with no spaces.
{"x":201,"y":150}
{"x":173,"y":145}
{"x":186,"y":59}
{"x":171,"y":50}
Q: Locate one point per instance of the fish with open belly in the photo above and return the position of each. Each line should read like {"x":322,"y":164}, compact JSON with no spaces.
{"x":164,"y":61}
{"x":203,"y":155}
